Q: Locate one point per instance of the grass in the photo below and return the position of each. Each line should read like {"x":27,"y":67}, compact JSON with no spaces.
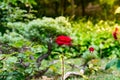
{"x":55,"y":70}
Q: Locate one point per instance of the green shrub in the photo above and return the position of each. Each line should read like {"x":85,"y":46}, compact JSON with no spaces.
{"x":23,"y":49}
{"x":99,"y":35}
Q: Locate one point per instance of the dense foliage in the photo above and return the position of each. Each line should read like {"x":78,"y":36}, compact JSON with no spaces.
{"x":23,"y":48}
{"x":26,"y":40}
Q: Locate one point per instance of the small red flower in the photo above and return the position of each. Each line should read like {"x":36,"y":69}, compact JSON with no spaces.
{"x":63,"y":40}
{"x":91,"y":49}
{"x":115,"y":33}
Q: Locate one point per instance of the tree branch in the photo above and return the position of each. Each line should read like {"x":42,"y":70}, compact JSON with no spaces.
{"x":68,"y":74}
{"x":40,"y":58}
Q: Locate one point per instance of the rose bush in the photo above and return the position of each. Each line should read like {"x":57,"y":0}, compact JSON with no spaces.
{"x":63,"y":40}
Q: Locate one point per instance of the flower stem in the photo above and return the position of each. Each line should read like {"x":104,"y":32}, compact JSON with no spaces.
{"x":62,"y":66}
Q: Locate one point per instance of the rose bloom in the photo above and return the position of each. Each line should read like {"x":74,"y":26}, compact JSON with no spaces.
{"x":91,"y":49}
{"x":63,"y":40}
{"x":115,"y":33}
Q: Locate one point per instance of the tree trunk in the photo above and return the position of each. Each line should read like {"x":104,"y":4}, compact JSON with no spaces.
{"x":73,"y":7}
{"x":56,"y":8}
{"x":62,"y":7}
{"x":83,"y":7}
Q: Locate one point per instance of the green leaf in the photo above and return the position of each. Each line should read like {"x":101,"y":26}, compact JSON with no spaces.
{"x":117,"y":11}
{"x":118,"y":64}
{"x":28,"y":70}
{"x":18,"y":44}
{"x":111,"y":63}
{"x":11,"y":60}
{"x":9,"y":78}
{"x":1,"y":65}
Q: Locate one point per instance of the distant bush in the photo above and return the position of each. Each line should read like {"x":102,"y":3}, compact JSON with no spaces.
{"x":98,"y":35}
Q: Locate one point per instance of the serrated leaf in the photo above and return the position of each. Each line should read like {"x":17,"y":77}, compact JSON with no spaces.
{"x":111,"y":63}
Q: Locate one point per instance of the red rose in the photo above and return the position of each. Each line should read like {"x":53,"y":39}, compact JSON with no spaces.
{"x":91,"y":49}
{"x":63,"y":40}
{"x":115,"y":33}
